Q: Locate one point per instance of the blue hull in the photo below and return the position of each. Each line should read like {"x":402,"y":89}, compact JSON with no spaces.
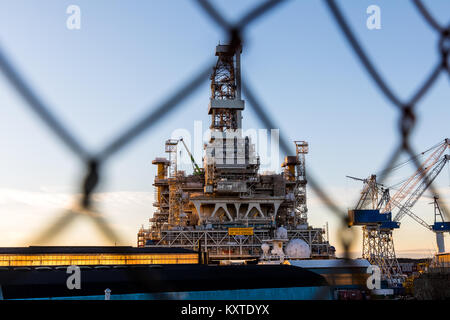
{"x":293,"y":293}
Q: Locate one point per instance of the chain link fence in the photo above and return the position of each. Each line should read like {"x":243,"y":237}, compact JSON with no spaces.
{"x":94,"y":161}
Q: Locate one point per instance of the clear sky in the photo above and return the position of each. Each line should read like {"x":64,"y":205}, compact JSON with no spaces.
{"x":129,"y":55}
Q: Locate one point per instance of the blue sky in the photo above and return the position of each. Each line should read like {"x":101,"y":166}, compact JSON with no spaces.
{"x":129,"y":55}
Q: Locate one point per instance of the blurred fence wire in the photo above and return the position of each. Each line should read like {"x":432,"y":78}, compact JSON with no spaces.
{"x":235,"y":32}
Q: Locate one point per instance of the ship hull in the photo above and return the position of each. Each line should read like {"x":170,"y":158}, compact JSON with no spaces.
{"x":185,"y":282}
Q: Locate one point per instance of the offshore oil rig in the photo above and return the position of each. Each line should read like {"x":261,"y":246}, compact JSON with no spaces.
{"x":227,"y":208}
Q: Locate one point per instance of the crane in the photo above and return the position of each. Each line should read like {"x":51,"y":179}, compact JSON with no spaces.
{"x":425,"y":182}
{"x":378,"y":225}
{"x":439,"y":227}
{"x":377,"y":242}
{"x":197,"y":169}
{"x":421,"y":172}
{"x":415,"y":186}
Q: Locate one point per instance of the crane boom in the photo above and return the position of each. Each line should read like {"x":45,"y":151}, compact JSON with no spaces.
{"x":411,"y":214}
{"x":196,"y":168}
{"x":424,"y":184}
{"x":357,"y":179}
{"x":411,"y":183}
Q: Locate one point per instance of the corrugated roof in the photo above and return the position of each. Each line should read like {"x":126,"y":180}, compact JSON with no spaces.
{"x":90,"y":250}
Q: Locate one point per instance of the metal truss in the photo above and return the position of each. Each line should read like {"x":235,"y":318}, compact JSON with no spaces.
{"x":219,"y":243}
{"x":378,"y":249}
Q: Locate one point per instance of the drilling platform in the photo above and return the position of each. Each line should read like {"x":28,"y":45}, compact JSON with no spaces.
{"x":227,"y":208}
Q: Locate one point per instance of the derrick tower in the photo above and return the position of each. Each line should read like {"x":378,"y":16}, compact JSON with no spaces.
{"x":225,"y":104}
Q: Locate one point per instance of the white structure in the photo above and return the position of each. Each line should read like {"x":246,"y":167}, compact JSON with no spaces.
{"x":298,"y":249}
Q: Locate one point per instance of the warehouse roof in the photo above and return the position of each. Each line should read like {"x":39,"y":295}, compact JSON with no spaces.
{"x":90,"y":250}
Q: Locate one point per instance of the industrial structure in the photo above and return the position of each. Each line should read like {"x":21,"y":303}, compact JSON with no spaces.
{"x":375,"y":208}
{"x":227,"y":207}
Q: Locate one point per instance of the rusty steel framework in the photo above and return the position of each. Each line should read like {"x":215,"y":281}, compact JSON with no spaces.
{"x":229,"y":193}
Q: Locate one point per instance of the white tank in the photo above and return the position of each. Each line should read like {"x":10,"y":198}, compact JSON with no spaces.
{"x":297,"y":248}
{"x":265,"y":248}
{"x":281,"y":233}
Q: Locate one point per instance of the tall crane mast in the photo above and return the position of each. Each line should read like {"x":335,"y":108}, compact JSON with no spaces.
{"x":439,"y":227}
{"x":377,"y":246}
{"x":369,"y":194}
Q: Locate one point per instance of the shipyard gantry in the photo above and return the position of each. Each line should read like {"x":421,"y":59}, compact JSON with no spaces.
{"x":375,"y":208}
